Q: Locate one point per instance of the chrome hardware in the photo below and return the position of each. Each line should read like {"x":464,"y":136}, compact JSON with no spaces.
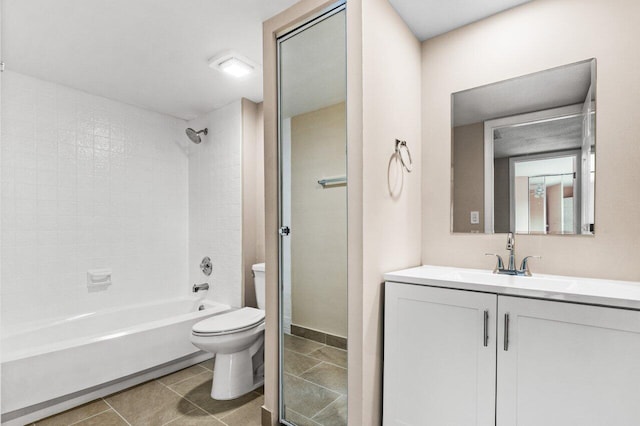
{"x":511,"y":247}
{"x":342,"y":180}
{"x":524,"y":266}
{"x":499,"y":263}
{"x":201,"y":308}
{"x":407,"y":163}
{"x":486,"y":328}
{"x":284,"y":231}
{"x":511,"y":268}
{"x":206,"y":266}
{"x":197,"y":287}
{"x":506,"y":332}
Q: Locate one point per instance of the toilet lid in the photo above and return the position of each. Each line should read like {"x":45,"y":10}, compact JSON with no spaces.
{"x":240,"y":319}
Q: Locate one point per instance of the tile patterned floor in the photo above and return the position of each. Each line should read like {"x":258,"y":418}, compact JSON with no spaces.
{"x":315,"y":383}
{"x":178,"y":399}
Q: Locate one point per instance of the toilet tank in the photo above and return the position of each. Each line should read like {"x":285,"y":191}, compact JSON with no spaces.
{"x":258,"y":283}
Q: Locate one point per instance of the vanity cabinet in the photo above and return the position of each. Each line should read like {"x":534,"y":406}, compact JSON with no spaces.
{"x":523,"y":362}
{"x":567,"y":364}
{"x":439,"y":356}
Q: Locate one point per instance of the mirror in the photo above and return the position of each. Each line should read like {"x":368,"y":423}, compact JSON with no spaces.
{"x":313,"y":211}
{"x":523,"y":154}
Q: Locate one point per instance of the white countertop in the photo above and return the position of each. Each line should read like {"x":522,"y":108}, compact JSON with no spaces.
{"x":620,"y":294}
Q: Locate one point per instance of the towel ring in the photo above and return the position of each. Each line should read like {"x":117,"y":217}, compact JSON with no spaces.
{"x":406,"y":161}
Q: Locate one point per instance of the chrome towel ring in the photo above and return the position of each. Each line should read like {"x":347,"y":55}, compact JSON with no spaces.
{"x":402,"y":151}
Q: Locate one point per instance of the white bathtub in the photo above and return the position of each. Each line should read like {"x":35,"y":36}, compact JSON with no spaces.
{"x":55,"y":364}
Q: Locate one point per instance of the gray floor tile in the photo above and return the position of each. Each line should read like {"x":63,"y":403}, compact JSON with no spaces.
{"x":106,"y":418}
{"x":328,"y":376}
{"x":335,"y":414}
{"x":298,"y":419}
{"x":332,"y":355}
{"x":196,"y":418}
{"x":197,"y":389}
{"x":75,"y":414}
{"x":247,"y":415}
{"x":149,"y":404}
{"x":296,"y":364}
{"x":306,"y":398}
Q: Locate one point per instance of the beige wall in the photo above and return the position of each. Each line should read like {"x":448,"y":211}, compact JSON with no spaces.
{"x":533,"y":37}
{"x":259,"y":176}
{"x":319,"y":218}
{"x":391,"y":226}
{"x":252,"y":196}
{"x":468,"y":177}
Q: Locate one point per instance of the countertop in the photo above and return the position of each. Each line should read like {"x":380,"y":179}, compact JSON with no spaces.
{"x":603,"y":292}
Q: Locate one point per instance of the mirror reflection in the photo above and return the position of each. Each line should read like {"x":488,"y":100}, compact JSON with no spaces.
{"x":523,"y":153}
{"x":313,"y":196}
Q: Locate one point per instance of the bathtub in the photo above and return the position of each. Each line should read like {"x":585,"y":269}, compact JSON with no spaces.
{"x":47,"y":368}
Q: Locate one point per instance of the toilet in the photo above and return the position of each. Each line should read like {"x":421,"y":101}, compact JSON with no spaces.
{"x":236,"y":339}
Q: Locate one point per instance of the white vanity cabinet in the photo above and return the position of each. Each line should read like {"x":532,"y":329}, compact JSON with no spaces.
{"x":545,"y":362}
{"x":567,"y":364}
{"x":439,"y":356}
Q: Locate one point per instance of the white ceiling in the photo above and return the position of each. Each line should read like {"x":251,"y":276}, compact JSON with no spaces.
{"x":313,"y":68}
{"x":546,"y":136}
{"x":557,"y":87}
{"x":149,"y":53}
{"x":154,"y":53}
{"x":429,"y":18}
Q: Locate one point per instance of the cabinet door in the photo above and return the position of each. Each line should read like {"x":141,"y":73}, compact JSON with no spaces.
{"x":438,"y":367}
{"x":567,"y":364}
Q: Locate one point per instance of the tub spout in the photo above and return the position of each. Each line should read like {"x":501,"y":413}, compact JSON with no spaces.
{"x":198,"y":287}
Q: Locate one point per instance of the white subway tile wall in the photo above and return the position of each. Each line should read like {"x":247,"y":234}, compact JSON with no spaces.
{"x":88,"y":182}
{"x":215,"y":203}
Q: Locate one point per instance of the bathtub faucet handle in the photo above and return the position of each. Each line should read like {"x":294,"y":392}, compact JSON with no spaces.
{"x":198,"y":287}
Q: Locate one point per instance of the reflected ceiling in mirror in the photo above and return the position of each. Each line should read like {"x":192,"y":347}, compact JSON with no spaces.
{"x":523,"y":154}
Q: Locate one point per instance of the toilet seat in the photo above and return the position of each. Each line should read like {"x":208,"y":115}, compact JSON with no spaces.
{"x":228,"y":323}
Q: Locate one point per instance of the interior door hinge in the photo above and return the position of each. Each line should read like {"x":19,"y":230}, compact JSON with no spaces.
{"x":1,"y":66}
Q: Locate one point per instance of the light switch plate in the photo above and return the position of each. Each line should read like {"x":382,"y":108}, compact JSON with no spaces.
{"x":475,"y":218}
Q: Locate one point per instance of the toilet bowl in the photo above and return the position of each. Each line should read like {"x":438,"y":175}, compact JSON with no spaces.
{"x":236,"y":339}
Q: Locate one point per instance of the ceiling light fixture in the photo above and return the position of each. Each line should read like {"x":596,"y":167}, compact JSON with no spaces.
{"x":233,"y":64}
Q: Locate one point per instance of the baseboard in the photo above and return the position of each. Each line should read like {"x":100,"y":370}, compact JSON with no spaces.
{"x":267,"y":417}
{"x":319,"y":336}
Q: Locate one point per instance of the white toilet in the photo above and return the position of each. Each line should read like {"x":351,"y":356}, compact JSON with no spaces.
{"x":236,"y":339}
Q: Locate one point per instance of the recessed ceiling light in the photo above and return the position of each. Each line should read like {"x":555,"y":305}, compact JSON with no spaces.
{"x":233,"y":64}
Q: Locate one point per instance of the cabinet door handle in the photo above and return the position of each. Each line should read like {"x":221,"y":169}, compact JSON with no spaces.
{"x":486,"y":328}
{"x":506,"y":332}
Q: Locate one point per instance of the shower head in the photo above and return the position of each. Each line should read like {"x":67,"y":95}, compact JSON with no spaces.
{"x":195,"y":136}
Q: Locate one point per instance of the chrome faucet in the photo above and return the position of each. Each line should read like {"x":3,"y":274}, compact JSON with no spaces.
{"x":511,"y":268}
{"x":198,"y":287}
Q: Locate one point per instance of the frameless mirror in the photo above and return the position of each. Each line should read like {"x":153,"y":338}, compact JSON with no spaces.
{"x":523,"y":154}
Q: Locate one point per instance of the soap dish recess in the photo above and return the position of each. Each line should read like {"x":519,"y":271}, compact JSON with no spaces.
{"x":98,"y":277}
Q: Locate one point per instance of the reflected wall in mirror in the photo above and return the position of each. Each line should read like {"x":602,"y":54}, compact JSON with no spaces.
{"x":523,"y":154}
{"x":313,"y":205}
